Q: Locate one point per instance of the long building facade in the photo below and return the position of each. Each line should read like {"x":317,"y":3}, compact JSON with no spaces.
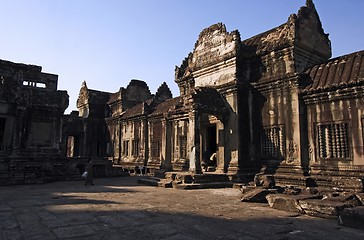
{"x":271,"y":104}
{"x":274,"y":104}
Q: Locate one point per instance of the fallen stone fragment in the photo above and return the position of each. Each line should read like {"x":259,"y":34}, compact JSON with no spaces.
{"x":351,"y":200}
{"x":322,"y":208}
{"x":245,"y":189}
{"x":310,"y":190}
{"x":264,"y":181}
{"x":352,"y":217}
{"x":360,"y":196}
{"x":292,"y":190}
{"x":257,"y":195}
{"x":287,"y":202}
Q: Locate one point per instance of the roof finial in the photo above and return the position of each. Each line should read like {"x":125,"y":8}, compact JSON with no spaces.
{"x":309,"y":4}
{"x":84,"y":84}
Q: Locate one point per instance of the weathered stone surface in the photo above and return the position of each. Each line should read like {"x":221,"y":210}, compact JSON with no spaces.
{"x":245,"y":189}
{"x":322,"y":208}
{"x":257,"y":195}
{"x":352,"y":217}
{"x":264,"y":181}
{"x":73,"y":231}
{"x":360,"y":196}
{"x":288,"y":202}
{"x":123,"y":209}
{"x":351,"y":200}
{"x":292,"y":190}
{"x":310,"y":190}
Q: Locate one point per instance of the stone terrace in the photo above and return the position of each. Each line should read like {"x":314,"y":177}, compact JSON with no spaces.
{"x":120,"y":208}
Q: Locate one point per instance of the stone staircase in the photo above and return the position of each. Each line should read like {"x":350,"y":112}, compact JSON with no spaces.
{"x":187,"y":181}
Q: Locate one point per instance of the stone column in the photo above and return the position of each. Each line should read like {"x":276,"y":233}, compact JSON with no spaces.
{"x":120,"y":134}
{"x":194,"y":140}
{"x":220,"y":146}
{"x":85,"y":148}
{"x":232,"y":152}
{"x":166,"y":145}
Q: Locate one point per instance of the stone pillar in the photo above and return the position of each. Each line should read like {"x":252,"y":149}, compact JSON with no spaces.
{"x":194,"y":140}
{"x":120,"y":134}
{"x":232,"y":141}
{"x":220,"y":146}
{"x":85,"y":148}
{"x":166,"y":145}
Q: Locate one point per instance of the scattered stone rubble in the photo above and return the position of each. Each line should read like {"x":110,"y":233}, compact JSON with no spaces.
{"x":344,"y":206}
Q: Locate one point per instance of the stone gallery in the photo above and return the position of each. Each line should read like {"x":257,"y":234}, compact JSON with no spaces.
{"x":274,"y":104}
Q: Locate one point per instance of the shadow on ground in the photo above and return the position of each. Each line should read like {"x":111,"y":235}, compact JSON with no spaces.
{"x":119,"y":208}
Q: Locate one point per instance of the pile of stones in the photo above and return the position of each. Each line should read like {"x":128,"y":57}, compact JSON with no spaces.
{"x":346,"y":207}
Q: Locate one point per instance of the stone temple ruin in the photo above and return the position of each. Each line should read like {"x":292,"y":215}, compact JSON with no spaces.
{"x":271,"y":105}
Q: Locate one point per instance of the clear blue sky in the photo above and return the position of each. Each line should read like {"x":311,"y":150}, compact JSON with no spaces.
{"x":109,"y":42}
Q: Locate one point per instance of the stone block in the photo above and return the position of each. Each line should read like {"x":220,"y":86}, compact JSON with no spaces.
{"x":264,"y":181}
{"x":351,"y":200}
{"x":322,"y":208}
{"x":245,"y":189}
{"x":287,"y":202}
{"x":257,"y":195}
{"x":360,"y":196}
{"x":352,"y":217}
{"x":292,"y":190}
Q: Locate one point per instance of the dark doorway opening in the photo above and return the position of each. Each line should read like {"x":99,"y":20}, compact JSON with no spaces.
{"x":211,"y":141}
{"x":2,"y":133}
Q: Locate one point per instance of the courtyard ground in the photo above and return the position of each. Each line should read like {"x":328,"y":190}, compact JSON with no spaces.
{"x":120,"y":208}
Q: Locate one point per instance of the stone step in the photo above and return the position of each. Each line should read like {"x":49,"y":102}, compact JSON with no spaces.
{"x":206,"y":185}
{"x":154,"y":181}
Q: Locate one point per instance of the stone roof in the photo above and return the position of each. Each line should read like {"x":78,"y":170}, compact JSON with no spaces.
{"x":347,"y":70}
{"x":276,"y":38}
{"x":98,"y":97}
{"x":22,"y":66}
{"x":116,"y":96}
{"x":137,"y":110}
{"x":299,"y":31}
{"x":166,"y":106}
{"x":140,"y":109}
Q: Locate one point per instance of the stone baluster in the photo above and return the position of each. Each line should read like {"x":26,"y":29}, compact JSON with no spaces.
{"x":321,"y":141}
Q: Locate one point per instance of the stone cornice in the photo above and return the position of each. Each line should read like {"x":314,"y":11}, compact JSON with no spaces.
{"x":329,"y":96}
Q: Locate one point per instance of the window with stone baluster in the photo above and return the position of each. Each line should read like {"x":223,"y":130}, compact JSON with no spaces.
{"x":156,"y":139}
{"x":333,"y":140}
{"x":135,"y":147}
{"x":273,"y":142}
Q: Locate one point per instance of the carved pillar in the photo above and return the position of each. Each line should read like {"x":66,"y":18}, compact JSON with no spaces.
{"x":194,"y":141}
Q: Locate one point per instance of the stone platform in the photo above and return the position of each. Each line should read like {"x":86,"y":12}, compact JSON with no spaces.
{"x":188,"y":181}
{"x":120,"y":208}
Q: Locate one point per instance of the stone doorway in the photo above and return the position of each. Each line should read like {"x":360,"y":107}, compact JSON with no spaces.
{"x":211,"y":143}
{"x":2,"y":133}
{"x":210,"y":146}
